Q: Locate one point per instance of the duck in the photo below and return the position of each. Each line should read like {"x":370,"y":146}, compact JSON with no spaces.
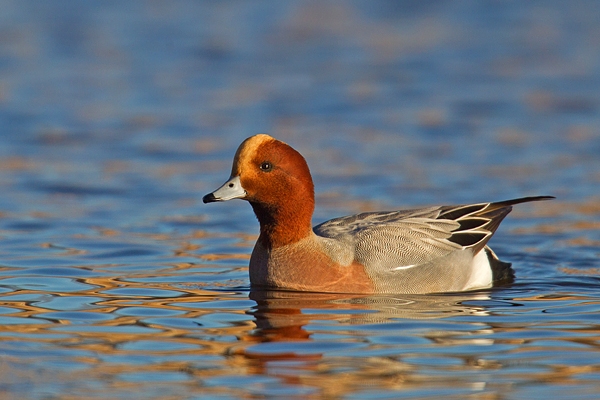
{"x":433,"y":249}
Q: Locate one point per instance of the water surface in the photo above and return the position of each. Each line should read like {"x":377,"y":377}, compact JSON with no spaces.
{"x":116,"y":282}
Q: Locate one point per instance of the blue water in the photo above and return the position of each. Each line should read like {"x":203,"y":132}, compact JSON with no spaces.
{"x":117,"y":117}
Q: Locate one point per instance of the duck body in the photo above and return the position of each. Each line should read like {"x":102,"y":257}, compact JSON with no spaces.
{"x":424,"y":250}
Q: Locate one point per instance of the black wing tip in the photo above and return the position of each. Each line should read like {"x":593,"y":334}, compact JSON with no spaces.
{"x":536,"y":198}
{"x":524,"y":200}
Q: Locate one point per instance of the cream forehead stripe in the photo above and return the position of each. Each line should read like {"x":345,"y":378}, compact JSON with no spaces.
{"x":247,"y":149}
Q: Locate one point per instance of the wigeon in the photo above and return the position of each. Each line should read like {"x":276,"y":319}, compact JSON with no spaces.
{"x":424,"y":250}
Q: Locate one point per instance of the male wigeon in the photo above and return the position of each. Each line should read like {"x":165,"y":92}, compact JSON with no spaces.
{"x":424,"y":250}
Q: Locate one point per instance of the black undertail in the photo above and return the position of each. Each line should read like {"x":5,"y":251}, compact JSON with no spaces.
{"x":502,"y":272}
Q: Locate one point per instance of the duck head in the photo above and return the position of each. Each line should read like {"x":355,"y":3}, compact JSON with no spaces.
{"x":275,"y":179}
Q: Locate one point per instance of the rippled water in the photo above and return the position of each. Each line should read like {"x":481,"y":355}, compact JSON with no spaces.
{"x":116,"y":282}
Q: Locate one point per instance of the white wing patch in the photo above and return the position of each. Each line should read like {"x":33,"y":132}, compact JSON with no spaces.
{"x":403,"y":268}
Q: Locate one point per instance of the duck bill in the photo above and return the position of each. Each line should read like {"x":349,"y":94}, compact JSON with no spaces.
{"x":232,"y":189}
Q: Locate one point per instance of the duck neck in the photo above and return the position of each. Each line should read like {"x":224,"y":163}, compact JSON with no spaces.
{"x":285,"y":223}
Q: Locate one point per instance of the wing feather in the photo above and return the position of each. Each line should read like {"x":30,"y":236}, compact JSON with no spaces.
{"x":392,"y":240}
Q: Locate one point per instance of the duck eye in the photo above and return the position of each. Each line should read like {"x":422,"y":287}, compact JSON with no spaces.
{"x":266,"y":166}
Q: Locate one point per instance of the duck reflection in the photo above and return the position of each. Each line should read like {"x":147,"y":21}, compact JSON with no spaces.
{"x":283,"y":316}
{"x":298,"y":335}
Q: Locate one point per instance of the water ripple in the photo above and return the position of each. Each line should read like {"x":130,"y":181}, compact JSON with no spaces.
{"x":116,"y":282}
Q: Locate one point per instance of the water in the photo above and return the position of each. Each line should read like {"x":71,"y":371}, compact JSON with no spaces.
{"x":116,"y":282}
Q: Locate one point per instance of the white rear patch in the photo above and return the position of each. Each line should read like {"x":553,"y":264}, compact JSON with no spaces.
{"x":481,"y":272}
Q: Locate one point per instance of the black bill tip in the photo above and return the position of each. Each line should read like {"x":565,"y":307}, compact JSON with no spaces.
{"x":209,"y":198}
